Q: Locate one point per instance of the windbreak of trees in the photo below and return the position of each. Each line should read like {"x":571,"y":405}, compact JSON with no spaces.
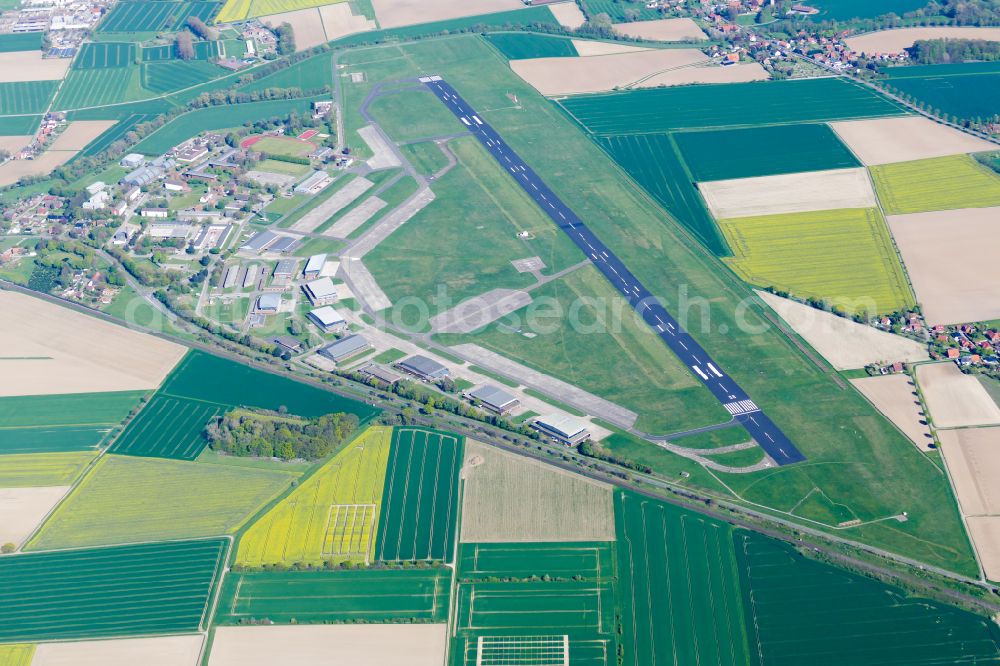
{"x":935,"y":51}
{"x":243,"y":433}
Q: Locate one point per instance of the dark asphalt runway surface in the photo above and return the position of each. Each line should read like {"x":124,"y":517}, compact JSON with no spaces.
{"x":723,"y":387}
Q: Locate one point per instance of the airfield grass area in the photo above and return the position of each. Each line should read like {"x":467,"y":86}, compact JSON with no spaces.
{"x":477,"y":204}
{"x":25,"y":97}
{"x":414,"y":114}
{"x":518,"y":614}
{"x":420,"y":497}
{"x":652,"y":160}
{"x":426,"y":157}
{"x":940,"y":183}
{"x":843,"y":256}
{"x":119,"y":591}
{"x":154,"y":16}
{"x":168,"y":427}
{"x":762,"y":151}
{"x":521,"y":45}
{"x":124,"y":499}
{"x":661,"y":548}
{"x":332,"y":516}
{"x":74,"y":409}
{"x":799,"y":610}
{"x":42,"y":469}
{"x":855,"y":456}
{"x":590,"y":337}
{"x":726,"y":105}
{"x":319,"y":597}
{"x":309,"y":74}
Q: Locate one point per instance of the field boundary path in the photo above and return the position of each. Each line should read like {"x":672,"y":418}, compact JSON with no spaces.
{"x":736,"y":401}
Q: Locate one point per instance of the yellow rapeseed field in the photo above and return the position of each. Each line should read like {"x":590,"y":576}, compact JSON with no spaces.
{"x":845,"y":256}
{"x":43,"y":469}
{"x":240,"y":10}
{"x":332,"y":515}
{"x":16,"y":655}
{"x":941,"y":183}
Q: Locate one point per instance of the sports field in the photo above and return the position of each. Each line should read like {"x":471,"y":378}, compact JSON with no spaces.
{"x":330,"y":516}
{"x":845,"y":256}
{"x":801,"y":611}
{"x":118,"y":591}
{"x":201,"y":376}
{"x":168,"y":427}
{"x":653,"y":162}
{"x":420,"y":498}
{"x":213,"y":118}
{"x":286,"y":146}
{"x":531,"y":616}
{"x":726,"y":105}
{"x":105,"y":55}
{"x":762,"y":151}
{"x":154,"y":15}
{"x":126,"y":499}
{"x":318,"y":597}
{"x":941,"y":183}
{"x":164,"y":77}
{"x":666,"y":618}
{"x":42,"y":469}
{"x":24,"y":97}
{"x":521,"y":45}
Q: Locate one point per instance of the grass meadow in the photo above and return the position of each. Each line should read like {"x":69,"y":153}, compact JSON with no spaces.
{"x":332,"y":515}
{"x":319,"y":597}
{"x":844,"y":256}
{"x":854,"y":454}
{"x":26,"y":97}
{"x":941,"y":183}
{"x":661,"y":548}
{"x":409,"y":115}
{"x":102,"y":592}
{"x":799,"y":609}
{"x":309,"y":74}
{"x":125,"y":499}
{"x":420,"y":497}
{"x":43,"y":469}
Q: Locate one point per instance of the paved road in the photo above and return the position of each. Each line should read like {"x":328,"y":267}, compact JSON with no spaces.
{"x":724,"y":388}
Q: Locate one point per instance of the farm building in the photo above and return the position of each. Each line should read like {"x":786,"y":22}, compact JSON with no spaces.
{"x":561,"y":428}
{"x":381,"y":373}
{"x":494,"y":399}
{"x":345,"y":348}
{"x":268,"y":303}
{"x":315,"y":265}
{"x":328,"y":319}
{"x":321,"y":291}
{"x":423,"y":367}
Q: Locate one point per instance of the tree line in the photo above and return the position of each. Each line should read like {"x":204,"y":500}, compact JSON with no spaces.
{"x":263,"y":435}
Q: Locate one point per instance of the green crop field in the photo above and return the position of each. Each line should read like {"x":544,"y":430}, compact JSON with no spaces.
{"x":800,"y":611}
{"x":591,"y":338}
{"x":652,"y":160}
{"x":43,"y":469}
{"x":202,"y":376}
{"x":202,"y":51}
{"x":99,"y":87}
{"x":521,"y":45}
{"x":25,"y":97}
{"x":318,"y":597}
{"x":330,"y":516}
{"x":762,"y":151}
{"x":105,"y":55}
{"x":18,"y":125}
{"x":477,"y":202}
{"x":114,"y":133}
{"x":164,"y":77}
{"x":941,"y":183}
{"x":154,"y":15}
{"x":726,"y":104}
{"x":413,"y":114}
{"x":17,"y":654}
{"x":74,"y":409}
{"x":120,"y":112}
{"x":963,"y":90}
{"x":194,"y":122}
{"x":661,"y":549}
{"x":168,"y":427}
{"x":121,"y":591}
{"x":845,"y":256}
{"x":616,"y":10}
{"x":124,"y":499}
{"x":40,"y":439}
{"x":550,"y":595}
{"x":842,"y":10}
{"x":309,"y":74}
{"x":419,"y":501}
{"x":23,"y":41}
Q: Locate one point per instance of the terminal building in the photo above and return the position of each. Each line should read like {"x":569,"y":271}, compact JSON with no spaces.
{"x":561,"y":428}
{"x":494,"y":399}
{"x":423,"y":367}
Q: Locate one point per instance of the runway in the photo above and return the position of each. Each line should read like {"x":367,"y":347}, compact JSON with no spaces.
{"x":724,"y":388}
